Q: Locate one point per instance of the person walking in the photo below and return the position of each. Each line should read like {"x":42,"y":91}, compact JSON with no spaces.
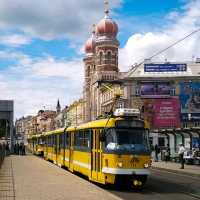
{"x":20,"y":148}
{"x":157,"y":151}
{"x":167,"y":154}
{"x":7,"y":148}
{"x":23,"y":149}
{"x":17,"y":148}
{"x":181,"y":154}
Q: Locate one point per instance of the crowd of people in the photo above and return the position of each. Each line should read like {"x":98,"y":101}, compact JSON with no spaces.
{"x":19,"y":149}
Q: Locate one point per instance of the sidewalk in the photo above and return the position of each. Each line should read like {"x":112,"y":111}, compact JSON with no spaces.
{"x":31,"y":178}
{"x":192,"y":170}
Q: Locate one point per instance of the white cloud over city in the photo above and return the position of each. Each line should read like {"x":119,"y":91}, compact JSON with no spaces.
{"x":52,"y":19}
{"x":35,"y":83}
{"x":177,"y":25}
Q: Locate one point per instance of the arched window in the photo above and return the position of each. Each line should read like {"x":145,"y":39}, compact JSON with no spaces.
{"x":109,"y":57}
{"x":101,"y":58}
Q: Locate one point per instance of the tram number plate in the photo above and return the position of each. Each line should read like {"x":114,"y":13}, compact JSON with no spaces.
{"x":134,"y":161}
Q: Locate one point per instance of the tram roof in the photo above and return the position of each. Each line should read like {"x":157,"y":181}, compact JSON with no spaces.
{"x":57,"y":131}
{"x":101,"y":123}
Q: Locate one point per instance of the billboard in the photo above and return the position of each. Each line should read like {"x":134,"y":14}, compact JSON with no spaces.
{"x":162,"y":113}
{"x":155,"y":89}
{"x":167,"y":113}
{"x":167,"y":67}
{"x":190,"y":98}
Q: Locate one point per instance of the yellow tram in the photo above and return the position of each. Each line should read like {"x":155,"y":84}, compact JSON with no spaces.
{"x":107,"y":151}
{"x":36,"y":144}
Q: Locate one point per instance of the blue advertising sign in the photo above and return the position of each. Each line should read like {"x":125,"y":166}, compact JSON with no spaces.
{"x":194,"y":117}
{"x":190,"y":98}
{"x":167,"y":67}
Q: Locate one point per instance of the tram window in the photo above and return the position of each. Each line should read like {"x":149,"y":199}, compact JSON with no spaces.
{"x":49,"y":140}
{"x":87,"y":138}
{"x":111,"y":139}
{"x":60,"y":142}
{"x":67,"y":139}
{"x":82,"y":139}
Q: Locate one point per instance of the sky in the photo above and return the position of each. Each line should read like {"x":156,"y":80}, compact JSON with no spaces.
{"x":42,"y":43}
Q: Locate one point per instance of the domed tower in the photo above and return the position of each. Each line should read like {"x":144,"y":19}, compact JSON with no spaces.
{"x":106,"y":48}
{"x":89,"y":67}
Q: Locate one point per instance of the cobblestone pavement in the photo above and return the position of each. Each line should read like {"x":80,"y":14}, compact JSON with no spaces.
{"x":36,"y":179}
{"x":7,"y":190}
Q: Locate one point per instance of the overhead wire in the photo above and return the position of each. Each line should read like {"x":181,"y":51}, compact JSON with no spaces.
{"x":165,"y":49}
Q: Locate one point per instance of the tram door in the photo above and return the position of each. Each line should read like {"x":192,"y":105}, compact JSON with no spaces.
{"x":96,"y":156}
{"x":56,"y":139}
{"x":71,"y":149}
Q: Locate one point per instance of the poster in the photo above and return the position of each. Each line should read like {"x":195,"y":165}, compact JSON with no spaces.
{"x":166,"y":113}
{"x":155,"y":89}
{"x":190,"y":97}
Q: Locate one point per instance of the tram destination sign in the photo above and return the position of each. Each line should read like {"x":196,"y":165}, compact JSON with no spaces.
{"x":129,"y":124}
{"x":167,"y":67}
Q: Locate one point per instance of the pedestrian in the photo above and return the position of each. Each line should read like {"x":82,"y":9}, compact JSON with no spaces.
{"x":15,"y":151}
{"x":157,"y":151}
{"x":167,"y":154}
{"x":23,"y":149}
{"x":17,"y":148}
{"x":20,"y":148}
{"x":7,"y":148}
{"x":181,"y":155}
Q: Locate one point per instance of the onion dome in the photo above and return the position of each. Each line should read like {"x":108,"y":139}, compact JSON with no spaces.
{"x":90,"y":44}
{"x":107,"y":27}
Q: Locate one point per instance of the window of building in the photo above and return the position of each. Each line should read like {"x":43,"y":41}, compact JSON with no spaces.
{"x":161,"y":141}
{"x":109,"y":57}
{"x":101,"y":58}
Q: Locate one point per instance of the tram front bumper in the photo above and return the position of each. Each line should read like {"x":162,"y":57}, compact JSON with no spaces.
{"x":123,"y":171}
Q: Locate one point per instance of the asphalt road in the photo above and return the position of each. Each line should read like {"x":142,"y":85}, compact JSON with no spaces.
{"x":164,"y":185}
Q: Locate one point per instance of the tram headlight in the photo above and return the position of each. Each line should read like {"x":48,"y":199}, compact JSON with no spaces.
{"x":120,"y":164}
{"x":146,"y":165}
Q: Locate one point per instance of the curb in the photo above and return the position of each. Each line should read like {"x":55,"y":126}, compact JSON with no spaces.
{"x":176,"y":171}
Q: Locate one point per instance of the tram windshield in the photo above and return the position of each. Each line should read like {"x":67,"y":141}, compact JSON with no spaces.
{"x":127,"y":140}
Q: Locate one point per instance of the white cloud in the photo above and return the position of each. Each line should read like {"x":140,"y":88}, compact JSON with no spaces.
{"x":143,"y":45}
{"x":14,"y":40}
{"x":34,"y":83}
{"x":45,"y":19}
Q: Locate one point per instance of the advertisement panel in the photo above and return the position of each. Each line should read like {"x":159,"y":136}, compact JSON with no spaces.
{"x":155,"y":89}
{"x":167,"y":67}
{"x":190,"y":97}
{"x":167,"y":113}
{"x":162,"y":113}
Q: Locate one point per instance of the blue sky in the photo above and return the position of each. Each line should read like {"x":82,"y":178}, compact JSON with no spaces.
{"x":41,"y":44}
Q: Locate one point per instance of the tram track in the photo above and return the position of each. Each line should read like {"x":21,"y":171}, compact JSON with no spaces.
{"x":163,"y":185}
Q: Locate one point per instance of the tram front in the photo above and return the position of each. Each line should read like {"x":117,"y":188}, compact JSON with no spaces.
{"x":127,"y":154}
